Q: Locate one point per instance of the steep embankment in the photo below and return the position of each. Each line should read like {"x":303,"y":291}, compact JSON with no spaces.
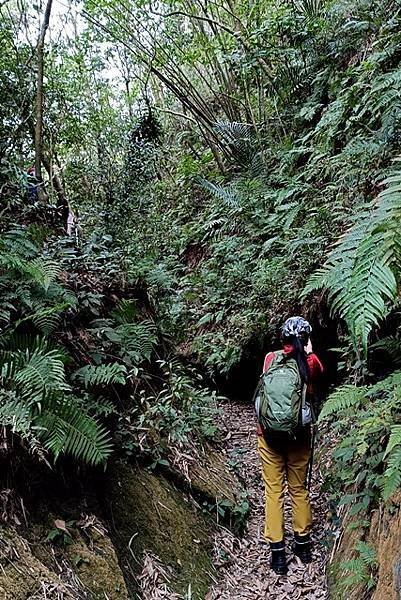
{"x":125,"y":533}
{"x":243,"y":563}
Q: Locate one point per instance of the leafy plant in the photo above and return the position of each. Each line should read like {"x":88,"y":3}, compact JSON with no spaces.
{"x":37,"y":402}
{"x":101,"y":375}
{"x":367,"y":459}
{"x":360,"y":570}
{"x":360,"y":273}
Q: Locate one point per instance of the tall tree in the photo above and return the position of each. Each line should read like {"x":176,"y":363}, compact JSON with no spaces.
{"x":39,"y":92}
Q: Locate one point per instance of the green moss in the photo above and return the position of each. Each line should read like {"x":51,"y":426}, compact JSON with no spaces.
{"x":90,"y":555}
{"x":212,"y":479}
{"x":148,"y":513}
{"x":97,"y":567}
{"x":21,"y":573}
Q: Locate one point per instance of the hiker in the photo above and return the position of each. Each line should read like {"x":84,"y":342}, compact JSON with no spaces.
{"x":285,"y":409}
{"x":32,"y":184}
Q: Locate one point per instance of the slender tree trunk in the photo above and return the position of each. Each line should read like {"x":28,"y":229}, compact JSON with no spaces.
{"x":63,"y":207}
{"x":39,"y":93}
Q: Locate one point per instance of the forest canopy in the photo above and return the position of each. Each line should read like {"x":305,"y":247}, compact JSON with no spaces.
{"x":177,"y":178}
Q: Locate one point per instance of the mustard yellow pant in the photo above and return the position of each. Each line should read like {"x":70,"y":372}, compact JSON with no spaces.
{"x":280,"y":464}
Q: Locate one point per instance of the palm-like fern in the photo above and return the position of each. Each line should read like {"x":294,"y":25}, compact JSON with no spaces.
{"x":360,"y":273}
{"x":63,"y":428}
{"x":310,"y":8}
{"x":92,"y":375}
{"x":344,"y":398}
{"x":240,"y":139}
{"x":35,"y":401}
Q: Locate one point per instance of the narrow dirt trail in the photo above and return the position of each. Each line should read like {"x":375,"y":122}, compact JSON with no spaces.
{"x":243,"y":563}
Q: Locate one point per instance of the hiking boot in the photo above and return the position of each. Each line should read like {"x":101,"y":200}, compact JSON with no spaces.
{"x":278,"y":562}
{"x":302,"y":548}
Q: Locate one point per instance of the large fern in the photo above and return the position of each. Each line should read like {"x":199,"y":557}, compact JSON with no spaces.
{"x":240,"y":139}
{"x":92,"y":375}
{"x":34,"y":375}
{"x":361,"y":272}
{"x":35,"y":401}
{"x":344,"y":398}
{"x":63,"y":428}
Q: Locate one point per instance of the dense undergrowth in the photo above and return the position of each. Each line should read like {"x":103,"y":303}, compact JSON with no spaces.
{"x":79,"y":351}
{"x":242,"y":169}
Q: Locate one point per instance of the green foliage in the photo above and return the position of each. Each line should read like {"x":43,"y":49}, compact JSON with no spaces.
{"x":344,"y":398}
{"x":182,"y":411}
{"x":361,"y":272}
{"x":300,"y":167}
{"x":134,"y":342}
{"x":61,"y":533}
{"x":236,"y":513}
{"x":69,"y":430}
{"x":278,"y":123}
{"x":367,"y":458}
{"x":360,"y":570}
{"x":101,"y":375}
{"x":36,"y":400}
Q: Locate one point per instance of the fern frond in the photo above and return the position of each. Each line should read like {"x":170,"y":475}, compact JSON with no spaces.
{"x":92,"y":375}
{"x":228,"y":193}
{"x":20,"y":265}
{"x":138,"y":339}
{"x":316,"y":281}
{"x":394,"y":440}
{"x":126,"y":311}
{"x":15,"y":413}
{"x":343,"y":398}
{"x":16,"y":341}
{"x":36,"y":374}
{"x":64,"y":428}
{"x":46,"y":271}
{"x":366,"y":552}
{"x":310,"y":8}
{"x":240,"y":138}
{"x":360,"y":272}
{"x":18,"y":243}
{"x":392,"y":474}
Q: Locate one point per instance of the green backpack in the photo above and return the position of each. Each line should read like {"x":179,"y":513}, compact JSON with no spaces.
{"x":280,"y":396}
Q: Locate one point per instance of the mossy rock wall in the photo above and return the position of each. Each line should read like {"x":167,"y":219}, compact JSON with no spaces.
{"x":149,"y":514}
{"x":384,"y":535}
{"x":33,"y":568}
{"x":211,"y":479}
{"x":24,"y":576}
{"x":96,"y":565}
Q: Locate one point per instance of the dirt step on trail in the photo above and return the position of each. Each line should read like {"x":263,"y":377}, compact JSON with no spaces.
{"x":243,"y":564}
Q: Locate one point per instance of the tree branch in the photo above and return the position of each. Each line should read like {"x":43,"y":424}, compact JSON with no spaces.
{"x":209,"y":20}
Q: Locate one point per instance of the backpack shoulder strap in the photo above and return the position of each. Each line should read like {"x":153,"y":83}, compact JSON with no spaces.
{"x":269,"y":358}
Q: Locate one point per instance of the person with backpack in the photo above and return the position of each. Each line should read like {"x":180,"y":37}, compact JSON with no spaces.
{"x":285,"y":409}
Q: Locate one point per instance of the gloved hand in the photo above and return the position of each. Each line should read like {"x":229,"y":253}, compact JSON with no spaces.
{"x":308,"y":348}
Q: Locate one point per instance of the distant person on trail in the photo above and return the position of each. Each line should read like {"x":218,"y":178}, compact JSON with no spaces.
{"x":32,"y":184}
{"x":285,"y":408}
